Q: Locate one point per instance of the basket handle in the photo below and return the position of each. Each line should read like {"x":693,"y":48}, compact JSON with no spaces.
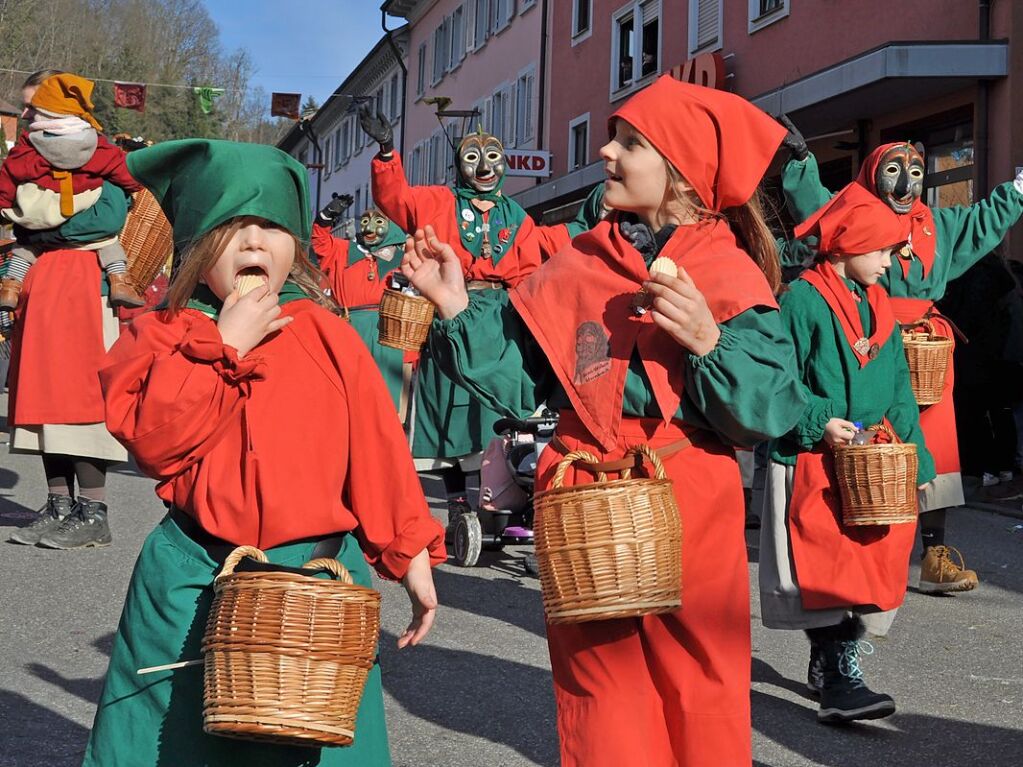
{"x":332,"y":566}
{"x":887,"y":430}
{"x":237,"y":556}
{"x":924,"y":323}
{"x":650,"y":454}
{"x":576,"y":455}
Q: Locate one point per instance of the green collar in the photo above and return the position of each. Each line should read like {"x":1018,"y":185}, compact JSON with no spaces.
{"x":205,"y":301}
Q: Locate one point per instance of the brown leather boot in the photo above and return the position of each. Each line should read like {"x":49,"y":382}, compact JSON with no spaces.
{"x":123,"y":291}
{"x":10,"y":292}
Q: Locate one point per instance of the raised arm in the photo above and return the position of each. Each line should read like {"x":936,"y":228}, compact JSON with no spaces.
{"x":971,"y":232}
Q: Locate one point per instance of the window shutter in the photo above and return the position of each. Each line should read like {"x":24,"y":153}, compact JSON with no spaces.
{"x":708,"y":23}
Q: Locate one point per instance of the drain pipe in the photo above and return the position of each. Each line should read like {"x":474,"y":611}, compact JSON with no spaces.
{"x":404,"y":80}
{"x":541,"y":82}
{"x":983,"y":100}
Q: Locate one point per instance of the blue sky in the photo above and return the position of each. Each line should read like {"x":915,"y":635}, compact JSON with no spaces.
{"x":303,"y":46}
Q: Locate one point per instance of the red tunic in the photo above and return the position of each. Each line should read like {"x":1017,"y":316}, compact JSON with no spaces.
{"x":260,"y":450}
{"x":413,"y":208}
{"x":58,"y":345}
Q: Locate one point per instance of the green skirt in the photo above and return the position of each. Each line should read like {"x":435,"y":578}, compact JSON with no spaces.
{"x":156,"y":720}
{"x":364,"y":322}
{"x":450,"y":422}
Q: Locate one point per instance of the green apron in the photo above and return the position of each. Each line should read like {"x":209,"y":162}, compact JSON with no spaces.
{"x":365,"y":323}
{"x":156,"y":720}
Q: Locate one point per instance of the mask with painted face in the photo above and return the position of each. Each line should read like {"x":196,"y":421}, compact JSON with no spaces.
{"x":373,"y":228}
{"x":481,"y":162}
{"x":899,"y":178}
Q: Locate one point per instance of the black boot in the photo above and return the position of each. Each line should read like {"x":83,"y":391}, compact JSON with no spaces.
{"x":86,"y":526}
{"x":57,"y":507}
{"x":815,"y":669}
{"x":844,"y":695}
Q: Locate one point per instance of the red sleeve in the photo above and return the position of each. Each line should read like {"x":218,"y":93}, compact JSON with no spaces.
{"x":409,"y":207}
{"x":8,"y":184}
{"x":551,"y":239}
{"x":113,"y":166}
{"x":332,"y":251}
{"x":526,"y":255}
{"x":172,"y":389}
{"x":382,"y":488}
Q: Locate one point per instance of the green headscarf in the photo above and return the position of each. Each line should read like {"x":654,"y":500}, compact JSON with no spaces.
{"x":201,"y":183}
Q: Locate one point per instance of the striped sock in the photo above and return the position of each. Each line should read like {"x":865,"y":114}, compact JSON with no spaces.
{"x":116,"y":267}
{"x":17,"y":268}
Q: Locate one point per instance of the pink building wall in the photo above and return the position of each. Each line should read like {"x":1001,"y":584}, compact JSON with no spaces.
{"x":500,"y":60}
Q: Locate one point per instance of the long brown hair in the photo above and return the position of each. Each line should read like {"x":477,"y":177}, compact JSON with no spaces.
{"x":746,"y":221}
{"x":203,"y":253}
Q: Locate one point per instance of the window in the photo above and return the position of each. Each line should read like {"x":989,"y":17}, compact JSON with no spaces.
{"x":452,"y":140}
{"x":524,"y":108}
{"x":303,"y":157}
{"x":581,"y":10}
{"x":704,"y":25}
{"x":482,"y":16}
{"x":457,"y":52}
{"x":357,"y":205}
{"x":358,"y":137}
{"x":439,"y":157}
{"x":413,"y":166}
{"x":501,"y":116}
{"x":421,"y":74}
{"x":346,"y":140}
{"x":337,"y":143}
{"x":579,"y":142}
{"x":440,"y":51}
{"x":949,"y":155}
{"x":326,"y":156}
{"x":526,"y":5}
{"x":635,"y":44}
{"x":395,"y":93}
{"x":765,"y":12}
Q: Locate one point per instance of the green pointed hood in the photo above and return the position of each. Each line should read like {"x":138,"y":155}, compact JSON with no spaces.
{"x":201,"y":183}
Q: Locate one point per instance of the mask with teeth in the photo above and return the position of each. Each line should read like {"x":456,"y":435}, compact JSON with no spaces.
{"x":900,"y":178}
{"x":481,"y":162}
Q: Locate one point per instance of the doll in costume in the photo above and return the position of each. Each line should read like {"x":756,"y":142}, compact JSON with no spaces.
{"x":497,"y":247}
{"x":683,"y":166}
{"x":943,"y":244}
{"x":356,"y":272}
{"x":817,"y":574}
{"x":56,"y":171}
{"x":266,"y":423}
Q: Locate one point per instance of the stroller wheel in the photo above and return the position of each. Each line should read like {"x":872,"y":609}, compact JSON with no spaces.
{"x":467,"y":539}
{"x":529,"y":564}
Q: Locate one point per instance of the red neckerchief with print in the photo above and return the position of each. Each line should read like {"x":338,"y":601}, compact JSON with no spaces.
{"x":578,"y":308}
{"x":845,"y":305}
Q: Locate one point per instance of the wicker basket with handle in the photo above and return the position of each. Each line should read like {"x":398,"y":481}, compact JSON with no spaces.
{"x":287,"y":655}
{"x":610,"y":549}
{"x":928,"y":356}
{"x":147,"y":239}
{"x":877,"y":482}
{"x":404,"y":321}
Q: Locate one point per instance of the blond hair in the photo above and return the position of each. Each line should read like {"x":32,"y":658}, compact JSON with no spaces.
{"x":746,"y":221}
{"x":200,"y":256}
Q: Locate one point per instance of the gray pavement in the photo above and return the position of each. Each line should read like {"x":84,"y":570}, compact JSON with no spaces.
{"x":479,"y":692}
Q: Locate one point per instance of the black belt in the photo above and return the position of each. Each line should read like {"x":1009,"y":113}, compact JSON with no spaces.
{"x":218,"y":548}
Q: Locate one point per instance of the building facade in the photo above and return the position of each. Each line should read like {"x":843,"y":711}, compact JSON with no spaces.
{"x":331,"y":143}
{"x":850,"y":75}
{"x":466,"y":55}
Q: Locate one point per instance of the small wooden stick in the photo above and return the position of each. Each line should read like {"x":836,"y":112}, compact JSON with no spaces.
{"x":169,"y":666}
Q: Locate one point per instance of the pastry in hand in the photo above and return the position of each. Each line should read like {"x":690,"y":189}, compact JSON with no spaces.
{"x":661,"y":265}
{"x":246,"y":283}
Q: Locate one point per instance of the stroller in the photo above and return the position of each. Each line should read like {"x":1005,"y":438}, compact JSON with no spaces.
{"x":505,"y":513}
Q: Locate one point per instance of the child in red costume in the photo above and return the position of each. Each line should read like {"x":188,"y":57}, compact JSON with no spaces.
{"x":57,"y":170}
{"x":683,"y":165}
{"x":266,"y":423}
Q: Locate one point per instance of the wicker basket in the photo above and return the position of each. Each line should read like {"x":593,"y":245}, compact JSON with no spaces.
{"x":287,"y":655}
{"x":404,"y":320}
{"x":928,"y":355}
{"x":612,"y":549}
{"x":877,"y":483}
{"x":146,"y":238}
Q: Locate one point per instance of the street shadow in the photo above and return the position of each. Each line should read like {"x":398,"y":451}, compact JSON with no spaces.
{"x":33,"y":734}
{"x":506,"y":600}
{"x":765,"y":673}
{"x":917,"y":739}
{"x":85,"y":688}
{"x":14,"y":514}
{"x":497,"y":700}
{"x":8,"y":478}
{"x":753,"y":546}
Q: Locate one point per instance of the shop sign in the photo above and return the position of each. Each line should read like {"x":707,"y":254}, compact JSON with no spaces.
{"x":707,"y":69}
{"x":522,"y":162}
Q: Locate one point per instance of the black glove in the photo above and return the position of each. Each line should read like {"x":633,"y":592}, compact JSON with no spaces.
{"x":794,"y":141}
{"x":336,"y":208}
{"x":377,"y":127}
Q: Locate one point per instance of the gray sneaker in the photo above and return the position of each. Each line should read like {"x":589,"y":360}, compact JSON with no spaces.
{"x":57,"y":507}
{"x":86,"y":526}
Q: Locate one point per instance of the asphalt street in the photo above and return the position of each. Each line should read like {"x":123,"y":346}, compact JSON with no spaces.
{"x":479,"y":691}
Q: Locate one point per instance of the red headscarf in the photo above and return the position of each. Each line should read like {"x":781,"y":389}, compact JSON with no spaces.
{"x":855,"y":221}
{"x":718,"y":141}
{"x":923,"y":233}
